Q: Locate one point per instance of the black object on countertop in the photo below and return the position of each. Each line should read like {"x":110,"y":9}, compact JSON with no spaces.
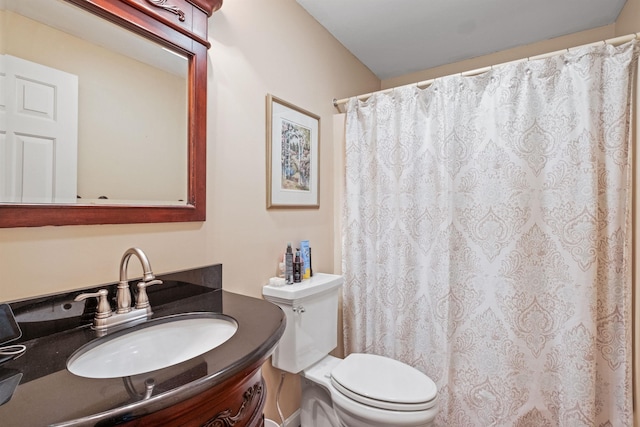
{"x":9,"y":329}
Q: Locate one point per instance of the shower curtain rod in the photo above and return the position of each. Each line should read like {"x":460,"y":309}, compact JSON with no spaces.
{"x":423,"y":84}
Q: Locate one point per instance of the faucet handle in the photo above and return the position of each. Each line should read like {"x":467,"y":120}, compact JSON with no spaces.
{"x":104,"y":309}
{"x":143,"y":298}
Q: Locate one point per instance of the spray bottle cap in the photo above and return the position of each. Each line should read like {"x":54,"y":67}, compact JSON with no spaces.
{"x":289,"y":250}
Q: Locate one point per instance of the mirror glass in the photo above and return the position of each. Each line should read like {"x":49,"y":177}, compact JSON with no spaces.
{"x":90,"y":113}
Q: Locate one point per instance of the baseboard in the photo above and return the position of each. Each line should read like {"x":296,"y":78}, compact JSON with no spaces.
{"x":292,"y":421}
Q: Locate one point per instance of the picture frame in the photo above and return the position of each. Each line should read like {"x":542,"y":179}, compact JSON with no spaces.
{"x":293,"y":156}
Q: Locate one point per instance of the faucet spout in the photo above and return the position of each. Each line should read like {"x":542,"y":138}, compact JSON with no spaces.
{"x":123,"y":295}
{"x":146,"y":266}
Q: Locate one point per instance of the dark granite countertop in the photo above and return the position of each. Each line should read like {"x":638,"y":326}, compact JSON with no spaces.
{"x":55,"y":326}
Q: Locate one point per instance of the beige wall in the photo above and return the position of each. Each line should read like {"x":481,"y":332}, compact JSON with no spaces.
{"x":258,"y":48}
{"x":2,"y":25}
{"x":629,"y":19}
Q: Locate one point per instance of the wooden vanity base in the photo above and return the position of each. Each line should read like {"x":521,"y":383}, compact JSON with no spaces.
{"x":238,"y":401}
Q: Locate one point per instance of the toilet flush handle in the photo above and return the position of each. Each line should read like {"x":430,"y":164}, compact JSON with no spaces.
{"x":299,"y":309}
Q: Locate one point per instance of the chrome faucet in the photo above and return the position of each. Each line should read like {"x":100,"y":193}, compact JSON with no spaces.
{"x":104,"y":317}
{"x":123,"y":297}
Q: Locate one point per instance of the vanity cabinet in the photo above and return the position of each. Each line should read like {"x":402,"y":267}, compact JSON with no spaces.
{"x":221,"y":387}
{"x":239,"y":401}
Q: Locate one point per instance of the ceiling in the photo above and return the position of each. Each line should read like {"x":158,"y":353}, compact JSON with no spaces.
{"x":397,"y":37}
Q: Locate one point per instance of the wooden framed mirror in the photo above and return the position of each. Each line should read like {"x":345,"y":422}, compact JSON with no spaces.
{"x":141,"y":185}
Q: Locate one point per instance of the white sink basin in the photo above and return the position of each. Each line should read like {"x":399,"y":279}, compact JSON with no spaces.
{"x":155,"y":345}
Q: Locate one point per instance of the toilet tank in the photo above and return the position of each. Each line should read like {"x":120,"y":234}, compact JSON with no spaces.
{"x":311,"y":309}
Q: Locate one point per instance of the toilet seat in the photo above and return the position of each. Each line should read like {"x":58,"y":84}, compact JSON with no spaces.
{"x":383,"y":383}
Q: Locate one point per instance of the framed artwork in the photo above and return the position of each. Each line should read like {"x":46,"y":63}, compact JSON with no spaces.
{"x":293,"y":173}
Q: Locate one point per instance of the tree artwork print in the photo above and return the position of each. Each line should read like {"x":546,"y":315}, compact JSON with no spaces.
{"x":295,"y":157}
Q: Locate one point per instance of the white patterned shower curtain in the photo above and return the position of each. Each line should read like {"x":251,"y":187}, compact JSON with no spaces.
{"x":486,"y":238}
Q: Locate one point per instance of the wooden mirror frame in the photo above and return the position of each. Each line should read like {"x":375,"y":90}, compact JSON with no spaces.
{"x":182,"y":26}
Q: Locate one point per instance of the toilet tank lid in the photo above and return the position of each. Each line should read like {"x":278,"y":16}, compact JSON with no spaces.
{"x":317,"y":284}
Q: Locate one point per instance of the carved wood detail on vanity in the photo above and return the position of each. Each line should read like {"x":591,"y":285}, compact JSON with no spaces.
{"x":227,"y":418}
{"x":236,"y":402}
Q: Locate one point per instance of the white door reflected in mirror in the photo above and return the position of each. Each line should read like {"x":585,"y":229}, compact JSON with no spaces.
{"x":38,"y":133}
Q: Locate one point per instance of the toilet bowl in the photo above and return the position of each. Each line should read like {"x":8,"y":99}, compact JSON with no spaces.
{"x":361,"y":390}
{"x":365,"y":390}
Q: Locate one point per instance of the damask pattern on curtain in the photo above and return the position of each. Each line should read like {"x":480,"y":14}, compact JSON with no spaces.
{"x":486,"y":238}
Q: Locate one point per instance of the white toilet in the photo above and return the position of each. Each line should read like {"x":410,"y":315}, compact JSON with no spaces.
{"x":361,"y":390}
